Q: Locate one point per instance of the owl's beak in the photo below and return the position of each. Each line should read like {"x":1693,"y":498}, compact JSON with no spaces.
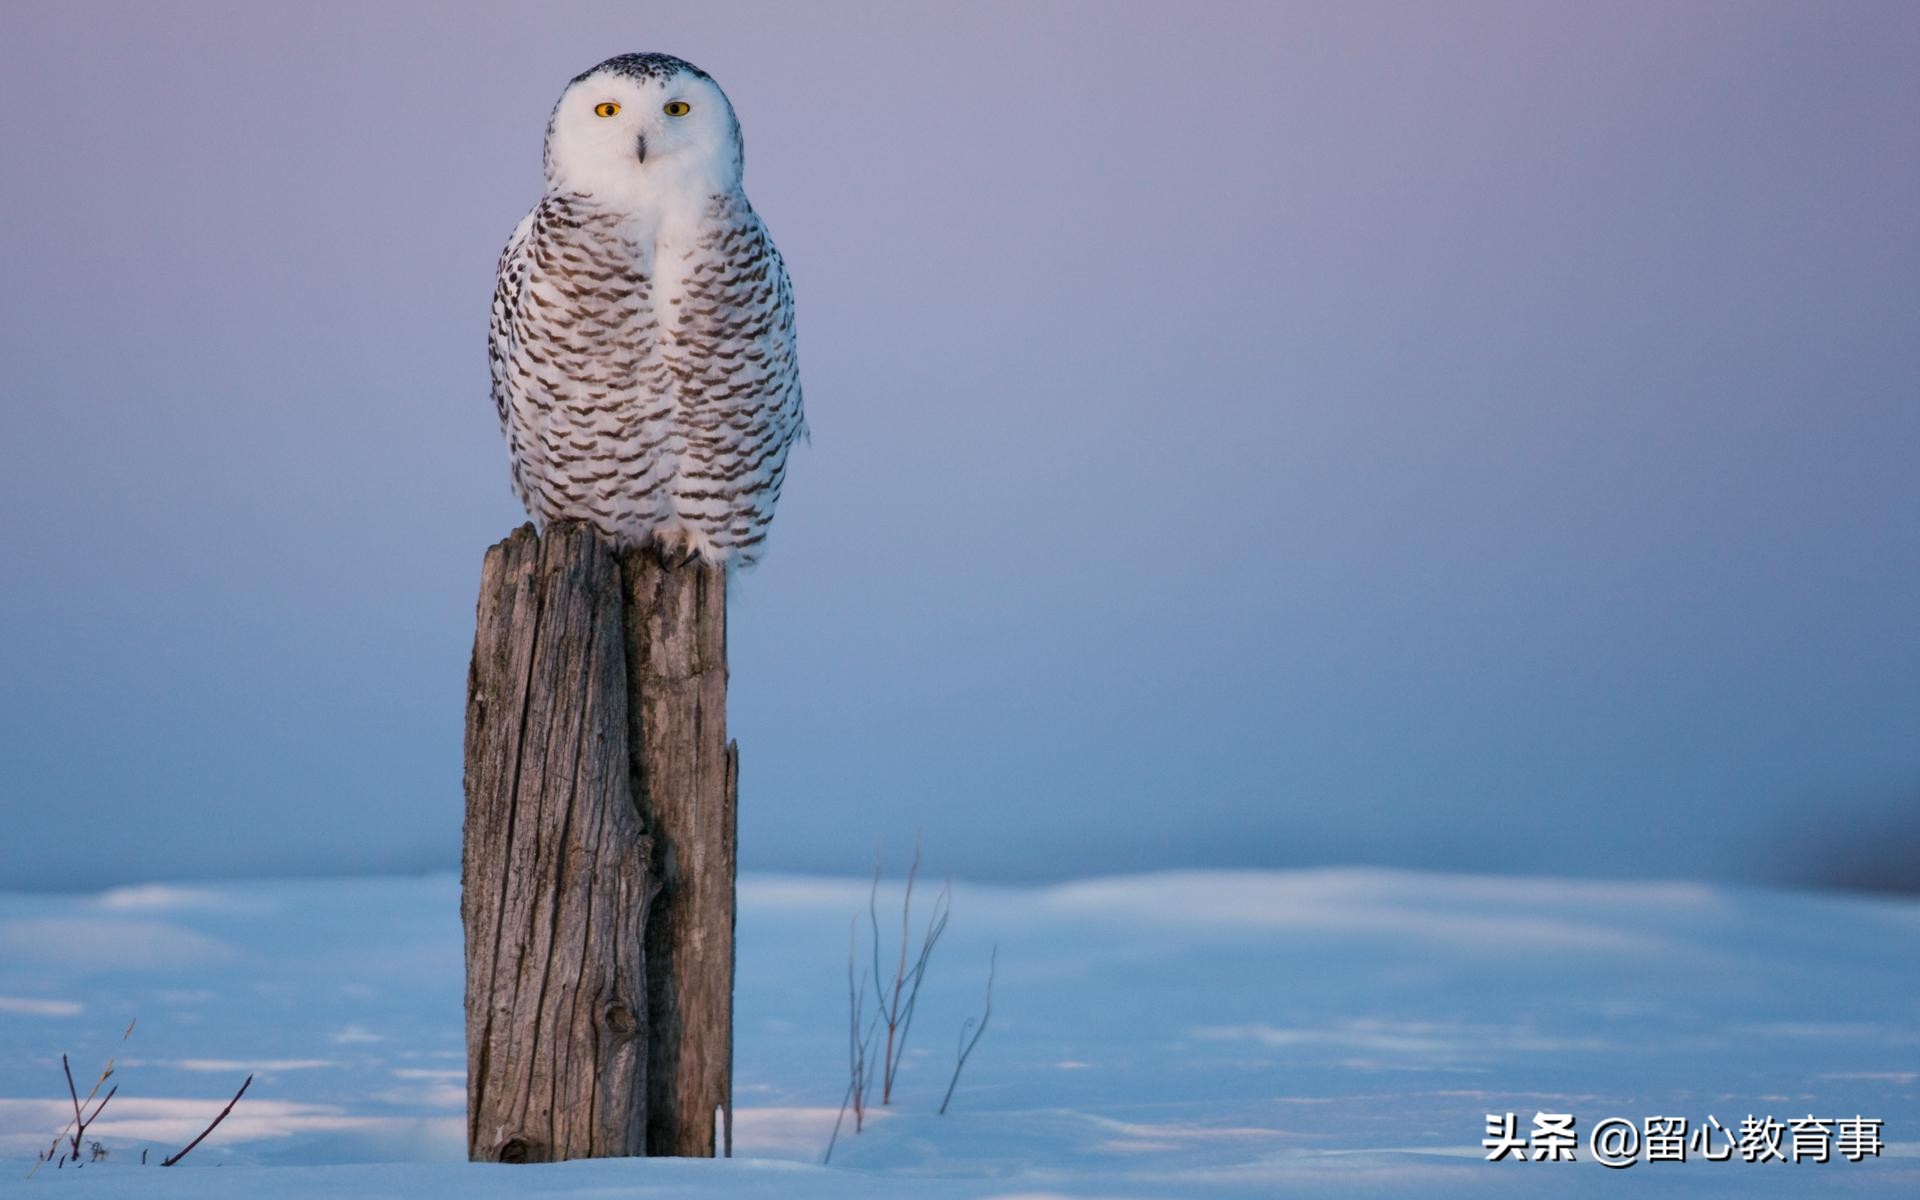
{"x":640,"y":147}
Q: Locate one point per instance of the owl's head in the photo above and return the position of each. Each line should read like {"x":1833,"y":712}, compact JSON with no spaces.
{"x":642,"y":126}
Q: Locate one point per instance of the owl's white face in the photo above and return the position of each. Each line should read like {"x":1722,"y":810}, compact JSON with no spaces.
{"x":634,"y":138}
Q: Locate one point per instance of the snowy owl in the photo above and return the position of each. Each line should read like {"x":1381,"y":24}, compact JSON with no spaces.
{"x":642,"y":341}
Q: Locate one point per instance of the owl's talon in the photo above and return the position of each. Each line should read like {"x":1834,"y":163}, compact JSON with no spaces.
{"x":668,"y":546}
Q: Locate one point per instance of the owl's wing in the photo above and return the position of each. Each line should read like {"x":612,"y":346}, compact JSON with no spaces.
{"x":510,"y":278}
{"x":738,"y":377}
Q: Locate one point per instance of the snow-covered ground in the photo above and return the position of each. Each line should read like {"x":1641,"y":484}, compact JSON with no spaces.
{"x":1181,"y":1035}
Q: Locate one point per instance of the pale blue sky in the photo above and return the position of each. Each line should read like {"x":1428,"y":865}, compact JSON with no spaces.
{"x":1472,"y":436}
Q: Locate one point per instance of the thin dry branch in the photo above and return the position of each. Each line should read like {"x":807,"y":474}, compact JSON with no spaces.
{"x":897,"y":1009}
{"x":859,"y":1066}
{"x":834,"y":1140}
{"x":167,"y":1162}
{"x":78,"y":1124}
{"x":856,"y":1046}
{"x":95,"y":1114}
{"x":936,"y":925}
{"x":968,"y":1043}
{"x":896,"y":998}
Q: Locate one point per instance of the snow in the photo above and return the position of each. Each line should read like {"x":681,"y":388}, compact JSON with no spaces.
{"x":1235,"y":1034}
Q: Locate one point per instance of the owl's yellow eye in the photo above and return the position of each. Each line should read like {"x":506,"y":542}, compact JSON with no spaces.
{"x":606,"y":108}
{"x":677,"y":108}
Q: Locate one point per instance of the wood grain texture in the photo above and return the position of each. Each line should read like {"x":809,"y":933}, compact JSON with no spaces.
{"x":598,"y":871}
{"x":685,"y":773}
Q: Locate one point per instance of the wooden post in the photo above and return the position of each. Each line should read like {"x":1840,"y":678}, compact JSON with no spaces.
{"x":598,"y":871}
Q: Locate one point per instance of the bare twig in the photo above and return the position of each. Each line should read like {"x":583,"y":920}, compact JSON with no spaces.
{"x":873,"y":919}
{"x":856,"y":1095}
{"x":95,"y":1114}
{"x":936,"y":925}
{"x":968,"y":1043}
{"x":167,"y":1162}
{"x":859,"y":1065}
{"x":896,"y":997}
{"x":834,"y":1140}
{"x":899,"y":997}
{"x":79,"y":1122}
{"x":856,"y":1045}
